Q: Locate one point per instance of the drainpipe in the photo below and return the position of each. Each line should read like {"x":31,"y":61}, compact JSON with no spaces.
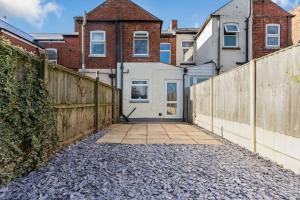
{"x":183,"y":94}
{"x":121,"y":68}
{"x":219,"y":45}
{"x":247,"y":31}
{"x":83,"y":43}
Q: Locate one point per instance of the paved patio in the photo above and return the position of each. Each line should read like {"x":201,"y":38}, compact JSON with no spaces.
{"x":156,"y":133}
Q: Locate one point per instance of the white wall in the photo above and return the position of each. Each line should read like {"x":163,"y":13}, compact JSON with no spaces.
{"x":179,"y":39}
{"x":103,"y":76}
{"x":207,"y":43}
{"x":156,"y":74}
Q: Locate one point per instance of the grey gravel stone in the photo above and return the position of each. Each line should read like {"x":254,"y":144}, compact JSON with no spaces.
{"x":88,"y":170}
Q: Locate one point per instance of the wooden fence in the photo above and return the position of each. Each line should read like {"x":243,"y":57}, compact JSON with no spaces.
{"x":83,"y":105}
{"x":256,"y":106}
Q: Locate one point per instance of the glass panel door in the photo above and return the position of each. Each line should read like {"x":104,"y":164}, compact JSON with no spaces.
{"x":172,"y":98}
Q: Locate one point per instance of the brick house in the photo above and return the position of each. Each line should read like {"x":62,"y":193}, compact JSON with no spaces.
{"x":122,"y":43}
{"x":242,"y":30}
{"x":296,"y":25}
{"x":19,"y":38}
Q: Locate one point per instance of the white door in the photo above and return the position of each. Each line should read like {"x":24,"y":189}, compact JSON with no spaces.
{"x":172,"y":99}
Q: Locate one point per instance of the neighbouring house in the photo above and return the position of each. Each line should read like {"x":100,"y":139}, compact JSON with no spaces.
{"x":296,"y":25}
{"x":242,"y":30}
{"x":184,"y":54}
{"x":19,"y":38}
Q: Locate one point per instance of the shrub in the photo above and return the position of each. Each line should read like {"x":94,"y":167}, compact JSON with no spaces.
{"x":27,"y":118}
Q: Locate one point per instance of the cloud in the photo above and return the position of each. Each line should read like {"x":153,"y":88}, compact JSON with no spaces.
{"x":33,"y":11}
{"x":287,"y":4}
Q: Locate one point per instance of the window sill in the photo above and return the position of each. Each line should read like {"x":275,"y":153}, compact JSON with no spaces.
{"x":141,"y":56}
{"x":139,"y":101}
{"x":187,"y":63}
{"x":97,"y":56}
{"x":270,"y":48}
{"x":231,"y":48}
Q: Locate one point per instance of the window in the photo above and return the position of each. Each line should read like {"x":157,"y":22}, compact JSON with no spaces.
{"x":52,"y":55}
{"x":196,"y":80}
{"x":141,"y":43}
{"x":273,"y":35}
{"x":187,"y":51}
{"x":139,"y":90}
{"x":97,"y":44}
{"x":231,"y":31}
{"x":165,"y":53}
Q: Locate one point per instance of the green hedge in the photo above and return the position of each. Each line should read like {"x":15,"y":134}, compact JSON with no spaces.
{"x":27,"y":118}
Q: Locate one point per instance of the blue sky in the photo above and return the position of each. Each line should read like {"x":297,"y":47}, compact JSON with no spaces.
{"x":56,"y":16}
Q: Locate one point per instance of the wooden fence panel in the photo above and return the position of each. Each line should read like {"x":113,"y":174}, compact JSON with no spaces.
{"x":278,"y":92}
{"x":83,"y":105}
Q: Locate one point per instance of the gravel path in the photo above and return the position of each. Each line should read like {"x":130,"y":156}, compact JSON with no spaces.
{"x":93,"y":171}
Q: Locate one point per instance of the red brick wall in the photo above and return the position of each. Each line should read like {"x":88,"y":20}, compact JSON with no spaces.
{"x":172,"y":41}
{"x":68,"y":53}
{"x":266,"y":12}
{"x":296,"y":25}
{"x":21,"y":42}
{"x":153,"y":29}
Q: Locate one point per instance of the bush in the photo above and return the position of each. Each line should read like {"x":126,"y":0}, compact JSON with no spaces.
{"x":27,"y":120}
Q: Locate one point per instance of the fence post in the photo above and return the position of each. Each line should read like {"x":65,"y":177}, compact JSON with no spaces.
{"x":253,"y":103}
{"x":113,"y":105}
{"x":96,"y":100}
{"x":212,"y":103}
{"x":44,"y":71}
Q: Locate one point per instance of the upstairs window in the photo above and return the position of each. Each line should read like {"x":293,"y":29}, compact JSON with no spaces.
{"x":141,"y":43}
{"x":98,"y":46}
{"x":273,"y":36}
{"x":52,"y":55}
{"x":187,"y":51}
{"x":165,"y":53}
{"x":231,"y":31}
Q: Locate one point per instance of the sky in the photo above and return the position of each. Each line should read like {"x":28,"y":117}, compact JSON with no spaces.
{"x":56,"y":16}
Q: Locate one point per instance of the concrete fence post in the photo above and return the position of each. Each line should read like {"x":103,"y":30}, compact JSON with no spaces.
{"x":252,"y":73}
{"x":212,"y":103}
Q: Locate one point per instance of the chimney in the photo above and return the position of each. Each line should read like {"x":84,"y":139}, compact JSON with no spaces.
{"x":174,"y":24}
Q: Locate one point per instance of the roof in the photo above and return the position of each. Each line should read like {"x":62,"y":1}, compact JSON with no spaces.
{"x":117,"y":10}
{"x":17,"y":32}
{"x":51,"y":36}
{"x":187,"y":30}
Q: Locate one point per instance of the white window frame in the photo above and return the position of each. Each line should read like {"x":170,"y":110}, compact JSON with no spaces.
{"x":147,"y":84}
{"x":53,"y":49}
{"x":98,"y":41}
{"x":183,"y":48}
{"x":170,"y":51}
{"x":141,"y":38}
{"x":236,"y":34}
{"x":273,"y":35}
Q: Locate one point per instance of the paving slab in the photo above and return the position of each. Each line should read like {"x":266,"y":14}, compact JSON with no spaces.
{"x":160,"y":133}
